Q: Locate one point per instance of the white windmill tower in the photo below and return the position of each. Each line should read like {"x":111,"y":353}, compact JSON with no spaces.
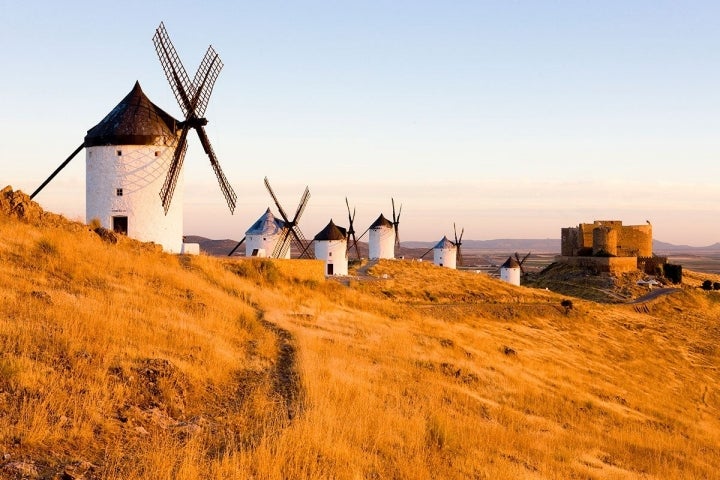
{"x":127,"y":158}
{"x":262,"y":237}
{"x":382,"y":239}
{"x":136,"y":152}
{"x":331,"y":246}
{"x":445,"y":254}
{"x":510,"y":271}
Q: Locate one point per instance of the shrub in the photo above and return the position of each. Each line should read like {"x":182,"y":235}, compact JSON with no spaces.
{"x":47,"y":247}
{"x":567,"y":305}
{"x":673,"y":272}
{"x":707,"y":285}
{"x":716,"y":285}
{"x":95,"y":224}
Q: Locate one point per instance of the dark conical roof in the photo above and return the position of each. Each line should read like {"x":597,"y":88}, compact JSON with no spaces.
{"x":331,"y":232}
{"x":381,"y":222}
{"x":510,"y":263}
{"x":134,"y":121}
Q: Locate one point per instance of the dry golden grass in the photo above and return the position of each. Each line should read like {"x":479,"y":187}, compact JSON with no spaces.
{"x":123,"y":362}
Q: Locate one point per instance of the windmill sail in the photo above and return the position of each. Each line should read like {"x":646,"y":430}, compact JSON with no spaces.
{"x":192,"y":97}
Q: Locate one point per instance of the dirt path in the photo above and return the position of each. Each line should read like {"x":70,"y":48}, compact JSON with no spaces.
{"x":652,"y":295}
{"x":285,"y":375}
{"x":362,"y":271}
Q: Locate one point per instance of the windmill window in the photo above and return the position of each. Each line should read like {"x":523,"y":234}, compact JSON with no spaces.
{"x":157,"y":153}
{"x":119,"y":192}
{"x":329,"y":254}
{"x":119,"y":153}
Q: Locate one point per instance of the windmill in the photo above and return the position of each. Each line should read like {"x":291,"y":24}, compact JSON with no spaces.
{"x":292,"y":232}
{"x":193,"y":97}
{"x":137,"y":150}
{"x":396,"y":223}
{"x":521,"y":262}
{"x":262,"y":237}
{"x":351,"y":230}
{"x":458,"y":243}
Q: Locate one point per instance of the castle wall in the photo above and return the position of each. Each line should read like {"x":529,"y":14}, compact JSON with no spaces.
{"x":635,"y":241}
{"x":602,"y":264}
{"x":609,"y":236}
{"x":569,"y":241}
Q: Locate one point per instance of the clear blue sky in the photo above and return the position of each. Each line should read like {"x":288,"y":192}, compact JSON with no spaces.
{"x":511,"y":118}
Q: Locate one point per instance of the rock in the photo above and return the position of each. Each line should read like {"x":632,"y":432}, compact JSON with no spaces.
{"x":77,"y":471}
{"x":18,"y":204}
{"x":22,"y":469}
{"x":107,"y":235}
{"x":42,"y":296}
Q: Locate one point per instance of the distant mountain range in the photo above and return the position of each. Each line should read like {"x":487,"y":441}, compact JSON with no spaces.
{"x":536,"y":245}
{"x":660,"y":247}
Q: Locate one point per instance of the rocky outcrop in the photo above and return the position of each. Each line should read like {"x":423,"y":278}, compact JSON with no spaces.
{"x":18,"y":204}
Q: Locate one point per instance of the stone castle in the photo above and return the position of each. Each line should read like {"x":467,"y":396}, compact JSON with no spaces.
{"x":609,"y":246}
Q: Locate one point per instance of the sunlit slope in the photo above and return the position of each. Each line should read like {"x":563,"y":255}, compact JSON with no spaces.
{"x":119,"y":361}
{"x":421,"y":372}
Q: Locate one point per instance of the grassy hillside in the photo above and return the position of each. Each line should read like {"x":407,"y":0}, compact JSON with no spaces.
{"x":119,"y":361}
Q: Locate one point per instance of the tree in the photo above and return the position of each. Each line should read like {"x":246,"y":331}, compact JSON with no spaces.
{"x":567,"y":305}
{"x":707,"y":285}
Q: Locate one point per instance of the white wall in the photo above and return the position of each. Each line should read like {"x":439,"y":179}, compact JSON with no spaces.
{"x":445,"y":257}
{"x":510,"y":275}
{"x":265,"y":242}
{"x":141,"y":174}
{"x":333,"y":252}
{"x":382,"y":243}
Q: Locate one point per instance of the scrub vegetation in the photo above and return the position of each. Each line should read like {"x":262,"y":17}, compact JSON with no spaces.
{"x":118,"y":361}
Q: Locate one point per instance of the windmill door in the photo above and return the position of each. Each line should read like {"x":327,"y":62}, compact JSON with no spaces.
{"x":120,"y":225}
{"x":330,"y":269}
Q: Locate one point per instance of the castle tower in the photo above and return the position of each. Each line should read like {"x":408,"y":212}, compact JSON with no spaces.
{"x":331,"y":246}
{"x":382,"y":239}
{"x":605,"y":241}
{"x":127,"y":158}
{"x":445,"y":254}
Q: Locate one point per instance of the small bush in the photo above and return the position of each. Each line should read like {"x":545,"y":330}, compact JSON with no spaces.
{"x":673,"y":272}
{"x":567,"y":305}
{"x":46,"y":247}
{"x":716,"y":285}
{"x":707,"y":285}
{"x":95,"y":224}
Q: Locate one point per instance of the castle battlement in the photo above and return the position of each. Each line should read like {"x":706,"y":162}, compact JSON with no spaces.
{"x":607,"y":245}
